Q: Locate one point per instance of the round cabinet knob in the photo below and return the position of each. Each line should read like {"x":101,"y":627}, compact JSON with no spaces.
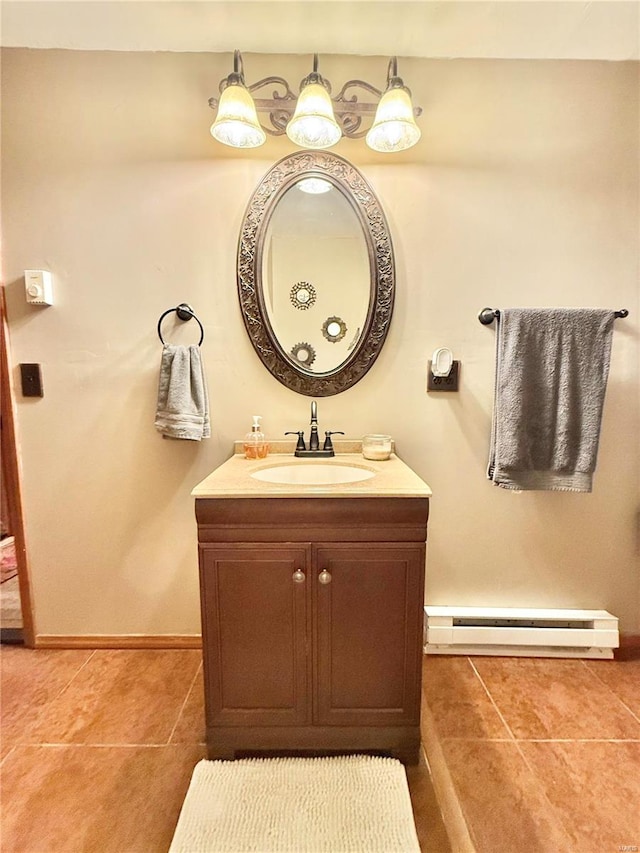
{"x":324,"y":577}
{"x":298,"y":576}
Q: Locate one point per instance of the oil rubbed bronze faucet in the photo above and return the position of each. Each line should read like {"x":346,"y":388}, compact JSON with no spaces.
{"x":314,"y":444}
{"x":314,"y":451}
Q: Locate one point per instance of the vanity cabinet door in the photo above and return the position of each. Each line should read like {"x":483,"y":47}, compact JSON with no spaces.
{"x":255,"y":624}
{"x":368,"y":628}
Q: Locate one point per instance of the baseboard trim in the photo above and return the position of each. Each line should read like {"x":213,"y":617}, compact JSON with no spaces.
{"x":118,"y":641}
{"x":629,"y":643}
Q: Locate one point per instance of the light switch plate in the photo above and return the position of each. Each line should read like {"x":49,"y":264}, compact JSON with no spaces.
{"x":31,"y":376}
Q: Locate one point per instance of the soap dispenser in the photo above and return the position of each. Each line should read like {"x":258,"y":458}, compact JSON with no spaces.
{"x":255,"y":442}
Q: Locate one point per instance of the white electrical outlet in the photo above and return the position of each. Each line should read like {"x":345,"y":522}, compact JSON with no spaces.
{"x":38,"y":287}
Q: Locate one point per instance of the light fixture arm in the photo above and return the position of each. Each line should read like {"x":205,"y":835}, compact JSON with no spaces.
{"x":238,"y":65}
{"x":237,"y":76}
{"x":315,"y":77}
{"x":348,"y":110}
{"x":395,"y":82}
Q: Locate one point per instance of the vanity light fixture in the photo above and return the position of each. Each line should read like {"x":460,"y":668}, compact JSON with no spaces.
{"x":315,"y":119}
{"x":313,"y":124}
{"x":394,"y":127}
{"x":237,"y":122}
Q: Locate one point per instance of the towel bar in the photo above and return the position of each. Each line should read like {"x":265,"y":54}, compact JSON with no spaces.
{"x":488,"y":315}
{"x":184,"y":312}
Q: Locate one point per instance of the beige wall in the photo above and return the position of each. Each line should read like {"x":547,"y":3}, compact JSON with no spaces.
{"x":523,"y":191}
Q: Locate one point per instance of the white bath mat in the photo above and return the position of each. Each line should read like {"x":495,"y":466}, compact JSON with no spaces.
{"x":352,"y":803}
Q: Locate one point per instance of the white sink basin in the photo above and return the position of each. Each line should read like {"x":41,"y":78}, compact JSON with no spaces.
{"x":312,"y":474}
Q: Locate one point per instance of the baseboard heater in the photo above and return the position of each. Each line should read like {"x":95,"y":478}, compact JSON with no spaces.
{"x":520,"y":632}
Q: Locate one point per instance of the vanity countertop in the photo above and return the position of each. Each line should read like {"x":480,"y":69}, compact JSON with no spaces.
{"x":232,"y":479}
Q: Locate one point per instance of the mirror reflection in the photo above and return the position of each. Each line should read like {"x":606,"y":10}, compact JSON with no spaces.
{"x":316,"y":275}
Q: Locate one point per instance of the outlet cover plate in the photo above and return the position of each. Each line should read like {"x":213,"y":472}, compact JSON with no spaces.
{"x":444,"y":383}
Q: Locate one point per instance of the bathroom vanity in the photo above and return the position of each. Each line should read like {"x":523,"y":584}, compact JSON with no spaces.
{"x":312,"y":606}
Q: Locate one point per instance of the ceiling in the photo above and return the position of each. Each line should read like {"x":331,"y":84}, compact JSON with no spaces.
{"x":445,"y":29}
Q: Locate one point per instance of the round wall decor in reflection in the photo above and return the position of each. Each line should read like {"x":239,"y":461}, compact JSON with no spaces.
{"x":304,"y":353}
{"x":303,"y":295}
{"x":334,"y":329}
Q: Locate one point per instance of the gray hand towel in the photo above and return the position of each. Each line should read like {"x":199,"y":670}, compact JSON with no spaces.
{"x":552,"y":366}
{"x":183,"y":401}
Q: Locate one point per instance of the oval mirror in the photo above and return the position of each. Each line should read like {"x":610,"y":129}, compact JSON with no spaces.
{"x":315,"y":273}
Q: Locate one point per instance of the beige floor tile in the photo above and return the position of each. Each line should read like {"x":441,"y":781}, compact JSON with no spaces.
{"x":595,"y":790}
{"x":622,"y":677}
{"x":191,"y":727}
{"x":543,"y":698}
{"x":120,"y":697}
{"x":82,"y":799}
{"x":31,"y":679}
{"x":124,"y":799}
{"x":458,"y":702}
{"x":504,"y":806}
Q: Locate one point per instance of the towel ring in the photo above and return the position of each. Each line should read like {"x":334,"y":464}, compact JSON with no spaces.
{"x":184,"y":312}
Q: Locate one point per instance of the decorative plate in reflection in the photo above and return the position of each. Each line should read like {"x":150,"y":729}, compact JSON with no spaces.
{"x":303,"y":295}
{"x":304,"y":353}
{"x":334,"y":329}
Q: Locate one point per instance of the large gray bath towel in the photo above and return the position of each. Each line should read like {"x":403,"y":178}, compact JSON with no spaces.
{"x":552,"y":366}
{"x":183,"y":401}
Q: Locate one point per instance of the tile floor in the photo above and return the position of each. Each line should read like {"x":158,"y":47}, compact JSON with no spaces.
{"x":544,"y":754}
{"x":98,"y":748}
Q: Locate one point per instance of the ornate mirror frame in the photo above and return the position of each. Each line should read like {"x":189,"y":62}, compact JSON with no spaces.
{"x":348,"y":180}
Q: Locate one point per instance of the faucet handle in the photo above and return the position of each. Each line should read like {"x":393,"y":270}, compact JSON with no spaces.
{"x":328,"y":444}
{"x":300,"y":433}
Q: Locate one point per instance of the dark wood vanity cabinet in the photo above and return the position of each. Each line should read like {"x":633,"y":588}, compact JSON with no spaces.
{"x":255,"y":627}
{"x":312,"y":623}
{"x":367,"y":634}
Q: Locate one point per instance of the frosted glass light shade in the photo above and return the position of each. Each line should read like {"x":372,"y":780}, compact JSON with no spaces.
{"x":394,"y":127}
{"x":313,"y":124}
{"x":237,"y":121}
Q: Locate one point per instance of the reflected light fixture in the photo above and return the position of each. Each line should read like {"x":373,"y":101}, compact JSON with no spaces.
{"x":315,"y":186}
{"x":315,"y":119}
{"x":237,"y":121}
